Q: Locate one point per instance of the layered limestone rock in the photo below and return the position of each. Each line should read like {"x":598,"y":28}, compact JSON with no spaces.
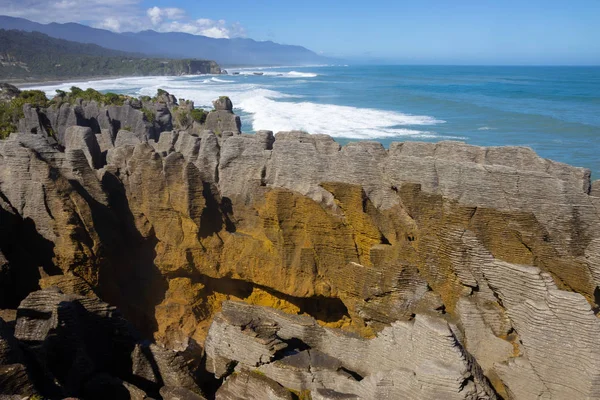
{"x":489,"y":256}
{"x":252,"y":386}
{"x":222,"y":118}
{"x":420,"y":359}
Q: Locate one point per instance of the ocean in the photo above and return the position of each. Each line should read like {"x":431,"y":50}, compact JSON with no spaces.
{"x":553,"y":110}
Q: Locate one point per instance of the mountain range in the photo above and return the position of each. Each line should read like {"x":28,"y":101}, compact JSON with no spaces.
{"x":236,"y":51}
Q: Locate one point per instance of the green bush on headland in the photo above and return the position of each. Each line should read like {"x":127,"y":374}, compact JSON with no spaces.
{"x":75,"y":93}
{"x":12,"y":111}
{"x":198,"y":115}
{"x":149,"y":114}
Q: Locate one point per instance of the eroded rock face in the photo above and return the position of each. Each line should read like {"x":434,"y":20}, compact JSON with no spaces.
{"x":223,"y":104}
{"x":252,"y":386}
{"x":420,"y":359}
{"x":435,"y":241}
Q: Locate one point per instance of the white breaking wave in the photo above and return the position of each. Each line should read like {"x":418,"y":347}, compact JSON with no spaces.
{"x":296,"y":74}
{"x":213,"y":79}
{"x":283,"y":67}
{"x":291,"y":74}
{"x":272,"y":110}
{"x":333,"y":120}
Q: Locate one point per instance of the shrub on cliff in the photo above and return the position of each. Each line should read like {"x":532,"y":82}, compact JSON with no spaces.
{"x":36,"y":98}
{"x":114,"y":99}
{"x":6,"y":123}
{"x":90,"y":94}
{"x":149,"y":115}
{"x":12,"y":111}
{"x":182,"y":119}
{"x":198,"y":115}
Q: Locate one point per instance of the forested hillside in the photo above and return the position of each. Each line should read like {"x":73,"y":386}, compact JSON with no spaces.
{"x":33,"y":55}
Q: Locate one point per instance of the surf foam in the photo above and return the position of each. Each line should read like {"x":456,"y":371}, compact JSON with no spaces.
{"x":273,"y":110}
{"x":296,"y":74}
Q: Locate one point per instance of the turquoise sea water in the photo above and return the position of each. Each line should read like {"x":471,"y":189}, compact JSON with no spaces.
{"x":554,"y":110}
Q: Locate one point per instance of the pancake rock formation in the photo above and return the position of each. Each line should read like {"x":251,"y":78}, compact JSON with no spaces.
{"x":284,"y":266}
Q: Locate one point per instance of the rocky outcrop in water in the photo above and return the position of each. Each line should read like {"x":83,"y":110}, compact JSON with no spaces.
{"x":419,"y":271}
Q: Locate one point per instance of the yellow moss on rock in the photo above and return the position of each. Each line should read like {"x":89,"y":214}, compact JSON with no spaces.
{"x":261,"y":297}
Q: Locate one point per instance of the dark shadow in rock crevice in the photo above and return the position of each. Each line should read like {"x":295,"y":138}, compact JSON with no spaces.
{"x":596,"y":307}
{"x":325,"y":309}
{"x":216,"y":214}
{"x":25,"y":251}
{"x":129,"y":278}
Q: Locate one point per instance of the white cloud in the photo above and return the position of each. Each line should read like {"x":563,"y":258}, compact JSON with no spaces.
{"x":175,"y":20}
{"x":157,"y":14}
{"x":112,"y":24}
{"x":92,"y":11}
{"x":120,"y":16}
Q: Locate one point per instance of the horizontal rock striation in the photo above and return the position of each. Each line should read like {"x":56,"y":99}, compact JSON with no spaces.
{"x":415,"y":359}
{"x":420,"y":271}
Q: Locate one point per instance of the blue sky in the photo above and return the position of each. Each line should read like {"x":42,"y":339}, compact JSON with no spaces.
{"x":419,"y":31}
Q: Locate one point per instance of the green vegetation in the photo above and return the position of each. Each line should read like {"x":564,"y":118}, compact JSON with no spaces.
{"x":149,"y":114}
{"x":6,"y":123}
{"x":75,"y":93}
{"x":198,"y":115}
{"x":12,"y":111}
{"x":33,"y":55}
{"x":182,"y":119}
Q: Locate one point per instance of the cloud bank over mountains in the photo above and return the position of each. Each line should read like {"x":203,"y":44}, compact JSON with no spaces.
{"x":120,"y":16}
